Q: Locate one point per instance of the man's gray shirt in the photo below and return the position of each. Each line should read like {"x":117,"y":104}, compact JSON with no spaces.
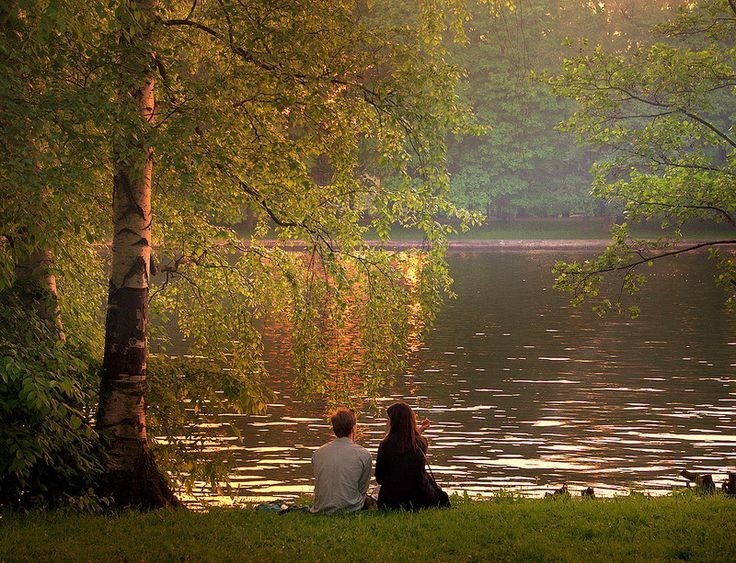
{"x":342,"y":471}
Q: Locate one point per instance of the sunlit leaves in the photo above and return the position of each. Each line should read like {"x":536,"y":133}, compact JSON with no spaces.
{"x":183,"y":391}
{"x":314,"y":124}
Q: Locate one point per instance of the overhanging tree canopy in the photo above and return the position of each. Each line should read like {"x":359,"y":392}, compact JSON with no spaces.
{"x":323,"y":119}
{"x":667,"y":111}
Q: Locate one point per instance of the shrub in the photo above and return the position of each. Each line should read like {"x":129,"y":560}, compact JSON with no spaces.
{"x":48,"y":447}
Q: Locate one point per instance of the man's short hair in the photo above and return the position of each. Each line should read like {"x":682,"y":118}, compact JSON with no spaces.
{"x":343,"y":421}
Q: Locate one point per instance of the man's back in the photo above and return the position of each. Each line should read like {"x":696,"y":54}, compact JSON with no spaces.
{"x":342,"y":471}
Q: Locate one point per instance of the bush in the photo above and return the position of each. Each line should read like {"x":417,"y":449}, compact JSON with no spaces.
{"x":48,"y":447}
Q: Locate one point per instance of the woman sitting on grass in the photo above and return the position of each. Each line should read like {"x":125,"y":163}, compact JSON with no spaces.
{"x":400,"y":462}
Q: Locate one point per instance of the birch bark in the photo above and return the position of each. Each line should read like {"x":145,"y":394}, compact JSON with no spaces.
{"x":131,"y":476}
{"x":35,"y":276}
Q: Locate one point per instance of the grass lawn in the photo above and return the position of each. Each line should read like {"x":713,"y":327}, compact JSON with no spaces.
{"x":636,"y":528}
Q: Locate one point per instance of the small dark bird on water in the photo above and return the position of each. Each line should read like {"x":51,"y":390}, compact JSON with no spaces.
{"x":561,"y":491}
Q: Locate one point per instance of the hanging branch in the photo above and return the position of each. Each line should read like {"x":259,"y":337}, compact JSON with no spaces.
{"x":629,"y":266}
{"x":691,"y":115}
{"x":729,"y":218}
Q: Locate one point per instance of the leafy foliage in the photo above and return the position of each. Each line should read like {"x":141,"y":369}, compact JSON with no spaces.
{"x":182,"y":389}
{"x":318,"y":121}
{"x":46,"y":393}
{"x":522,"y":164}
{"x":666,"y":111}
{"x":518,"y":164}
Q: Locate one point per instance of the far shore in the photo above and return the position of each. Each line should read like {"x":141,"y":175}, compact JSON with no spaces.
{"x":496,"y":245}
{"x":500,"y":244}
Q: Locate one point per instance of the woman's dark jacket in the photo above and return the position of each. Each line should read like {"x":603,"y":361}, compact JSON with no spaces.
{"x":402,"y":476}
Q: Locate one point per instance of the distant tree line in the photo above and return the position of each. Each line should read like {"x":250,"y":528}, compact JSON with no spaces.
{"x":523,"y":164}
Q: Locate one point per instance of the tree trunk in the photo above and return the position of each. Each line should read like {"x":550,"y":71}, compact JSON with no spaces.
{"x":37,"y":287}
{"x":131,"y":476}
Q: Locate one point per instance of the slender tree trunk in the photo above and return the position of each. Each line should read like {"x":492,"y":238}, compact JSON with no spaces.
{"x":131,"y":476}
{"x":37,"y":285}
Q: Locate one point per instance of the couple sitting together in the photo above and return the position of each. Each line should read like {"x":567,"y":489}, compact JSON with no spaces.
{"x":342,"y":468}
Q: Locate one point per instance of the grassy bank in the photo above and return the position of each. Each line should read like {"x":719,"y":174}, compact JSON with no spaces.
{"x":632,"y":528}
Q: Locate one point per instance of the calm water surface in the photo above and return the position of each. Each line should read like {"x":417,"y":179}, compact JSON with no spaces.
{"x":525,"y":393}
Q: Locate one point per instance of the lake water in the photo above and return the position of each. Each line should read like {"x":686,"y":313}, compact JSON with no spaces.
{"x":526,"y":393}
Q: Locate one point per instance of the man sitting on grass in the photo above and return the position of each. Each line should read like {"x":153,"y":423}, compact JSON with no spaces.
{"x":342,"y":469}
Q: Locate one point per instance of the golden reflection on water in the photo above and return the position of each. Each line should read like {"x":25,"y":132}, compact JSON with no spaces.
{"x":524,"y":395}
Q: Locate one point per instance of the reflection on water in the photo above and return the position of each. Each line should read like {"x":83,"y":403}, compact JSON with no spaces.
{"x":525,"y":393}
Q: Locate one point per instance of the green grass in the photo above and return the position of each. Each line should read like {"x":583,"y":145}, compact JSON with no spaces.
{"x":636,"y":528}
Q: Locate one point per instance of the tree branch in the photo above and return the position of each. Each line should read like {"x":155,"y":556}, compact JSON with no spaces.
{"x":683,"y":111}
{"x":646,"y":259}
{"x":243,"y":53}
{"x":718,"y":210}
{"x":315,"y":233}
{"x":264,"y":205}
{"x":709,"y":125}
{"x":194,"y":5}
{"x":190,"y":23}
{"x":667,"y":162}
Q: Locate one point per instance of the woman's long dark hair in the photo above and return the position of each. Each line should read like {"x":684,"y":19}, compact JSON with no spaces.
{"x":403,"y":428}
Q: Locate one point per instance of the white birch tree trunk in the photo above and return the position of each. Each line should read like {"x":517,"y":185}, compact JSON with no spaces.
{"x":131,"y":476}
